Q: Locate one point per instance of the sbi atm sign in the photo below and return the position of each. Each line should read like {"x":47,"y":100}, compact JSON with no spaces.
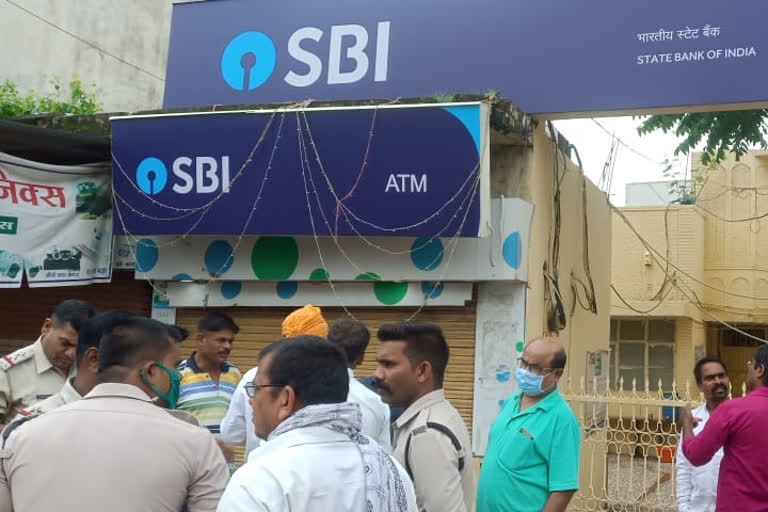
{"x":250,"y":58}
{"x":201,"y":175}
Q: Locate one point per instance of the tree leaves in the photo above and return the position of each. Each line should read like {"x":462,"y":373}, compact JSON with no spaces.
{"x":13,"y":103}
{"x":723,"y":132}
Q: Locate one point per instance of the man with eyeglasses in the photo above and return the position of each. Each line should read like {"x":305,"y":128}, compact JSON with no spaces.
{"x":532,"y":460}
{"x":316,"y":457}
{"x":739,"y":427}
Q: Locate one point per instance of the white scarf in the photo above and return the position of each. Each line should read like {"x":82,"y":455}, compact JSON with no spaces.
{"x":384,"y":490}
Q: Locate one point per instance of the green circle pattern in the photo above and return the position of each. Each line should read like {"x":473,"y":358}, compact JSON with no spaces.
{"x":274,"y":257}
{"x":368,"y":276}
{"x":389,"y":292}
{"x":319,"y":274}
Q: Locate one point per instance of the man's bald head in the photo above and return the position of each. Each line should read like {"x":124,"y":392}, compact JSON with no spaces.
{"x":548,"y":351}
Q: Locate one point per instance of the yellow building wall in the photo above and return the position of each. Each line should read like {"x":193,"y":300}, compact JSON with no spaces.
{"x":528,"y":173}
{"x":732,"y":197}
{"x":718,"y":245}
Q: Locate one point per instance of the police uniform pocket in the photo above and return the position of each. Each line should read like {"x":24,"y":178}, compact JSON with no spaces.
{"x":519,"y":451}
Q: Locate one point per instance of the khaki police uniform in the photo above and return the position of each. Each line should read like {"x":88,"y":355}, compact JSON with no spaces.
{"x":130,"y":455}
{"x":27,"y":377}
{"x":432,"y":443}
{"x":66,"y":395}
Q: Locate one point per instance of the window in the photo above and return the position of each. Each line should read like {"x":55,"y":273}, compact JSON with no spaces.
{"x":643,"y":349}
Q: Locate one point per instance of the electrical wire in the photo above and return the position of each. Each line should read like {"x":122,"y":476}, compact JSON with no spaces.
{"x":696,"y":302}
{"x":641,"y":311}
{"x":621,"y":142}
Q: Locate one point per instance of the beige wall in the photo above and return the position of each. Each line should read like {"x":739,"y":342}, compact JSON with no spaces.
{"x":736,"y":258}
{"x":136,"y":31}
{"x":528,"y":173}
{"x":710,"y":242}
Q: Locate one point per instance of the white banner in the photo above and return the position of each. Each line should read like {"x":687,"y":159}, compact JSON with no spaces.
{"x":55,"y":223}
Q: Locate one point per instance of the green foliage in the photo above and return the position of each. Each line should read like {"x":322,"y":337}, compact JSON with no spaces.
{"x":443,"y":97}
{"x":723,"y":132}
{"x":14,"y":103}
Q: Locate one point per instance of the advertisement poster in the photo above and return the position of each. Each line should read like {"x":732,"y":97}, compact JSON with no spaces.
{"x":55,"y":223}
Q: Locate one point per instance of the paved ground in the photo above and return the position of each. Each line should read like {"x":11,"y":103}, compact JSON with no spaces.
{"x":640,"y":482}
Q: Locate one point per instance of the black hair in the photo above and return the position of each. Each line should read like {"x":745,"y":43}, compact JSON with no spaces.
{"x":352,"y":336}
{"x":761,"y":358}
{"x":214,"y":321}
{"x":704,"y":360}
{"x":559,"y":359}
{"x":94,"y":329}
{"x":73,"y":312}
{"x":178,"y":333}
{"x":314,"y":367}
{"x":424,"y":342}
{"x":130,"y":342}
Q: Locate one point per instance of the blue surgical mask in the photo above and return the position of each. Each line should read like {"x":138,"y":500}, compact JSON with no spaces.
{"x":528,"y":382}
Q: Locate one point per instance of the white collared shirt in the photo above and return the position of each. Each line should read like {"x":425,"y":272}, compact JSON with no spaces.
{"x":697,"y":486}
{"x":311,"y":468}
{"x":375,"y":412}
{"x":237,"y":426}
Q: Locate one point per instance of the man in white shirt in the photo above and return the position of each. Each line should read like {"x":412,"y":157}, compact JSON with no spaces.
{"x":237,"y":425}
{"x":316,"y":457}
{"x":697,"y":486}
{"x":352,"y":337}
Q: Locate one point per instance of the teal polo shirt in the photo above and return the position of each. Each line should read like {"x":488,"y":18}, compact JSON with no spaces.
{"x":530,"y":454}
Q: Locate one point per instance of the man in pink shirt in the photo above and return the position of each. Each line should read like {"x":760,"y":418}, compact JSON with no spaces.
{"x":739,"y":426}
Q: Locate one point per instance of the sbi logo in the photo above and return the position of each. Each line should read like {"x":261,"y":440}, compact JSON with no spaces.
{"x":210,"y":175}
{"x":250,"y":58}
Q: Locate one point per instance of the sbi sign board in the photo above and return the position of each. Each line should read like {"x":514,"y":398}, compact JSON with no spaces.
{"x":547,"y":56}
{"x":318,"y":171}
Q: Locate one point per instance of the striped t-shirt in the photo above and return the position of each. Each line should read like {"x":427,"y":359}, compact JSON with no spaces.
{"x":201,"y":396}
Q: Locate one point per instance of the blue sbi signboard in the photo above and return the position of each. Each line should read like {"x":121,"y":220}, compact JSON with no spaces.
{"x":547,"y":56}
{"x":374,"y":171}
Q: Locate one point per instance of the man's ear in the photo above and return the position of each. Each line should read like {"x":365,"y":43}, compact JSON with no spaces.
{"x":287,"y":403}
{"x":46,"y":327}
{"x":92,"y":358}
{"x":424,"y":371}
{"x":359,"y":360}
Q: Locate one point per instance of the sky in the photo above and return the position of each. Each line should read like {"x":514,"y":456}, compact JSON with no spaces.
{"x":643,"y":162}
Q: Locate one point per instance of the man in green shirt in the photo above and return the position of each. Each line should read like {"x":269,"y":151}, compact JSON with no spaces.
{"x":532,"y":461}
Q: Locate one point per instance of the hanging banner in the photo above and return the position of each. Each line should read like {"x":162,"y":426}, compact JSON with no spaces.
{"x":546,"y":56}
{"x":55,"y":223}
{"x":405,"y":170}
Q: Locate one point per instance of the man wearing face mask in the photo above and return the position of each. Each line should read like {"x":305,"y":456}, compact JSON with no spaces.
{"x":532,"y":460}
{"x":132,"y":454}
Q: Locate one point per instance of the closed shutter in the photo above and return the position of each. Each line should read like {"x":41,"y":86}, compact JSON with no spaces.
{"x":24,"y":309}
{"x":261,"y":326}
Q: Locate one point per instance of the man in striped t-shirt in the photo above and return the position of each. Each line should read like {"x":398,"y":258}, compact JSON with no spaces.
{"x":208,"y":381}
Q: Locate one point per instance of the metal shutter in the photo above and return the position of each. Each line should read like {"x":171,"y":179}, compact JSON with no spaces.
{"x":261,"y":326}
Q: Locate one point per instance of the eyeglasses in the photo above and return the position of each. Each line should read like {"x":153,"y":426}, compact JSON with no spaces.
{"x":540,"y":370}
{"x":252,"y":388}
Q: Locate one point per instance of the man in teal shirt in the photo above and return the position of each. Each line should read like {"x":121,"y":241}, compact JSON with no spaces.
{"x":532,"y":461}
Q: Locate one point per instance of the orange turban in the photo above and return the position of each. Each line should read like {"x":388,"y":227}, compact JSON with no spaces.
{"x":307,"y":320}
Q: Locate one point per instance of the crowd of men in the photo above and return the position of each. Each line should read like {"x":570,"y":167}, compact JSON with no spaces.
{"x":102,"y":413}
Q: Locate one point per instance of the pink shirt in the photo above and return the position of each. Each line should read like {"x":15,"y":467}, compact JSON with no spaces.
{"x":740,"y":427}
